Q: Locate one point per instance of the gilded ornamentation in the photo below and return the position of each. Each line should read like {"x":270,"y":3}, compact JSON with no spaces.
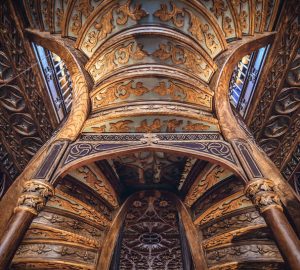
{"x":154,"y":127}
{"x":242,"y":13}
{"x":120,"y":126}
{"x":125,"y":12}
{"x":132,"y":50}
{"x":104,"y":27}
{"x":46,"y":11}
{"x":109,"y":61}
{"x":201,"y":32}
{"x":34,"y":196}
{"x":182,"y":92}
{"x":59,"y":16}
{"x":170,"y":51}
{"x":104,"y":64}
{"x":197,"y":29}
{"x":176,"y":15}
{"x":181,"y":56}
{"x":243,"y":20}
{"x":219,"y":8}
{"x":176,"y":91}
{"x":83,"y":8}
{"x":118,"y":91}
{"x":263,"y":194}
{"x":195,"y":127}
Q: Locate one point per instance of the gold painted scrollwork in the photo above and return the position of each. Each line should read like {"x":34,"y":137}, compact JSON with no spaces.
{"x":105,"y":26}
{"x":125,"y":12}
{"x":34,"y":196}
{"x":176,"y":15}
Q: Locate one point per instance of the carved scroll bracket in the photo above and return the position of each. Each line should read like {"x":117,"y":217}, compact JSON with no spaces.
{"x":263,"y":193}
{"x":34,"y":196}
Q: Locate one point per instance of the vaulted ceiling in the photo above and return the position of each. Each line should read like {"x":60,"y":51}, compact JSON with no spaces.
{"x":175,"y":99}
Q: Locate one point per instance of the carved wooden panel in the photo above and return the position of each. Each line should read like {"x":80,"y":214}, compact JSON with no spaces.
{"x":274,"y":118}
{"x":151,"y":236}
{"x":25,"y":120}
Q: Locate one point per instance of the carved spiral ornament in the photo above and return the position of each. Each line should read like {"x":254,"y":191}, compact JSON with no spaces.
{"x":263,"y":194}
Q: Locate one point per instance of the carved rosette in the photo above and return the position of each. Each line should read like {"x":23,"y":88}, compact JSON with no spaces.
{"x":263,"y":194}
{"x":34,"y":196}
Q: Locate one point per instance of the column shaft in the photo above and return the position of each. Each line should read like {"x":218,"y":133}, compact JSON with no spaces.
{"x":287,"y":240}
{"x":13,"y":236}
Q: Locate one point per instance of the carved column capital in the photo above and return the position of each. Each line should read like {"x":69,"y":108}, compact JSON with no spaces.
{"x":34,"y":196}
{"x":263,"y":193}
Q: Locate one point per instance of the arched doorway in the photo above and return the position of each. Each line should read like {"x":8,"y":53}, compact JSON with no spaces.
{"x":152,"y":235}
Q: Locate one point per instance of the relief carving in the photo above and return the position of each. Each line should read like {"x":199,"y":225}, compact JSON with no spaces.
{"x":56,"y":251}
{"x":70,"y":204}
{"x":176,"y":91}
{"x":238,"y":221}
{"x":197,"y":29}
{"x":104,"y":26}
{"x":204,"y":184}
{"x":40,"y":232}
{"x":34,"y":196}
{"x":228,"y":205}
{"x":263,"y":251}
{"x":263,"y":194}
{"x":125,"y":12}
{"x":176,"y":15}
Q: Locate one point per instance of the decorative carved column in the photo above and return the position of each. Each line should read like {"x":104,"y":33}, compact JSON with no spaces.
{"x":263,"y":194}
{"x":33,"y":198}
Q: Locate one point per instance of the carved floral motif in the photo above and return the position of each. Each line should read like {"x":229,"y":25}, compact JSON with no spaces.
{"x":104,"y":25}
{"x":263,"y":194}
{"x":35,"y":195}
{"x":125,"y":90}
{"x":197,"y":29}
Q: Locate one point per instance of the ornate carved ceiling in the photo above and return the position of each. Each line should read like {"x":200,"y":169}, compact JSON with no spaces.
{"x":151,"y":66}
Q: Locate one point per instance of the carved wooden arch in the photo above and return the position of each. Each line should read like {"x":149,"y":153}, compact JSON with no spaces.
{"x":236,"y":132}
{"x":192,"y":235}
{"x":118,"y":150}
